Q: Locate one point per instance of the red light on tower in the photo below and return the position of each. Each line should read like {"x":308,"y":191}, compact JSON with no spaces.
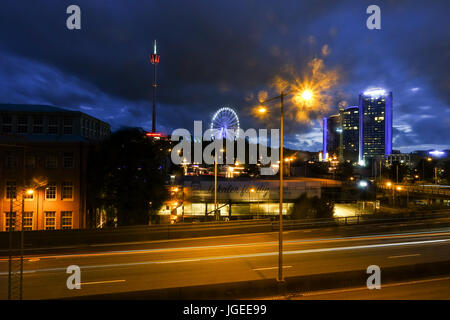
{"x":154,"y":134}
{"x":154,"y":57}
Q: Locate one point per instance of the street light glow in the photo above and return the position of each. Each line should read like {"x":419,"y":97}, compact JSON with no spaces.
{"x":262,"y":110}
{"x":307,"y":95}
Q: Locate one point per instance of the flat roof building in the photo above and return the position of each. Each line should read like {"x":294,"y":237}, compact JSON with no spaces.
{"x":375,"y":124}
{"x":350,"y":133}
{"x":43,"y":164}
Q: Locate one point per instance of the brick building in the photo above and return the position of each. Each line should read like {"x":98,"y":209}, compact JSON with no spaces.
{"x":43,"y":163}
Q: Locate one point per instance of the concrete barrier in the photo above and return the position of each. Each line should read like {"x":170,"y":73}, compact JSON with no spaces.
{"x":270,"y":287}
{"x":51,"y":238}
{"x":59,"y":238}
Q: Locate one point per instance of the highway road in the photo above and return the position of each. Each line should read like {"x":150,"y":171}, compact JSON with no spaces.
{"x":109,"y":268}
{"x":423,"y":289}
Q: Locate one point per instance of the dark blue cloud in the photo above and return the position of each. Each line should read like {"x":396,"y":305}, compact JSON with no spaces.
{"x":221,"y":53}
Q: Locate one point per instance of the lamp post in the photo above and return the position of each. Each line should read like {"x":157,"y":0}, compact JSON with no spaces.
{"x":250,"y":191}
{"x":215,"y":184}
{"x":306,"y":95}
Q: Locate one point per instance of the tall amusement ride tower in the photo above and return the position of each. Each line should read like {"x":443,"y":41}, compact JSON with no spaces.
{"x":154,"y":59}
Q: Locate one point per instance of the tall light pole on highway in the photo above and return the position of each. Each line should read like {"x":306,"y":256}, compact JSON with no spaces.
{"x":305,"y":95}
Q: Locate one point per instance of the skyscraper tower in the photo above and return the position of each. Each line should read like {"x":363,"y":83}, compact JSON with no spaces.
{"x":375,"y":124}
{"x":331,"y":136}
{"x":350,"y":133}
{"x":154,"y":59}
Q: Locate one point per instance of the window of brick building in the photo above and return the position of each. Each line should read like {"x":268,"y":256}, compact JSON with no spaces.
{"x":50,"y":191}
{"x":51,"y":161}
{"x":67,"y":190}
{"x":68,"y":126}
{"x":28,"y":220}
{"x":68,"y":160}
{"x":30,"y":161}
{"x":38,"y":124}
{"x":10,"y":218}
{"x":52,"y":125}
{"x":10,"y":162}
{"x":66,"y":219}
{"x":50,"y":220}
{"x":7,"y":123}
{"x":11,"y":190}
{"x":22,"y":124}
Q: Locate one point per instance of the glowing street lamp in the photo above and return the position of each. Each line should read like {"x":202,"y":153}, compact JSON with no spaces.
{"x":305,"y":96}
{"x":262,"y":110}
{"x":215,"y":183}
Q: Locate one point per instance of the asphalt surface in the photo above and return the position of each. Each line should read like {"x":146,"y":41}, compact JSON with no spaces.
{"x":126,"y":267}
{"x":424,"y":289}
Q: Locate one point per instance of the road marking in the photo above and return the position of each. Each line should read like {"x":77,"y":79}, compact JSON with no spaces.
{"x":322,"y":240}
{"x":397,"y":284}
{"x":404,"y":256}
{"x":251,"y":255}
{"x":270,"y":268}
{"x":178,"y":261}
{"x":102,"y":282}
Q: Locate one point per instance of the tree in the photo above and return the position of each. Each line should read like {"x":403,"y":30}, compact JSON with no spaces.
{"x":251,"y":170}
{"x":312,"y":208}
{"x":125,"y":175}
{"x":402,"y":171}
{"x":446,"y":168}
{"x":345,"y":170}
{"x":425,"y":168}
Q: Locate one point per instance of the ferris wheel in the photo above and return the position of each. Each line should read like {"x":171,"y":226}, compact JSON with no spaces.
{"x":226,"y":121}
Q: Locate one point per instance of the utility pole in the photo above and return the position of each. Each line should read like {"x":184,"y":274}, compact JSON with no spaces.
{"x":280,"y":234}
{"x":306,"y":95}
{"x":397,"y":172}
{"x":435,"y":175}
{"x":215,"y":184}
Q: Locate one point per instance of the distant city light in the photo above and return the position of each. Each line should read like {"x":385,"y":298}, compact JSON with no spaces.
{"x":375,"y":92}
{"x":154,"y":134}
{"x":363,"y":184}
{"x":437,"y":153}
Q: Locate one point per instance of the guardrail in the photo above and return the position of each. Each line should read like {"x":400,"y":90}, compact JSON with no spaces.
{"x":431,"y":190}
{"x":361,"y":219}
{"x":58,"y":238}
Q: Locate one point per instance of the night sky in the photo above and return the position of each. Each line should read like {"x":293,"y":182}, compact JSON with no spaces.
{"x":224,"y":53}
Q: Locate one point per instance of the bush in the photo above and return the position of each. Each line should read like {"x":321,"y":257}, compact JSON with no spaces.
{"x":312,"y":208}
